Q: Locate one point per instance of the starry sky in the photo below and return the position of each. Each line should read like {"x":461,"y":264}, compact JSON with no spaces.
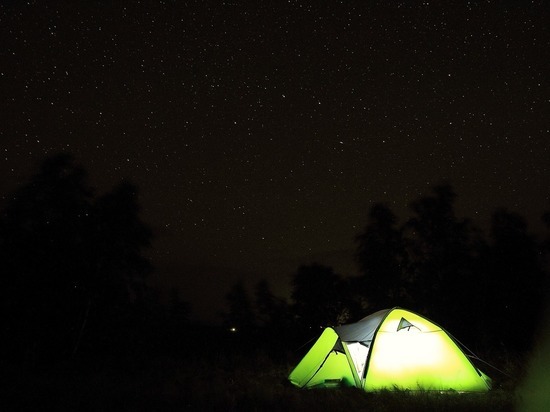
{"x":260,"y":133}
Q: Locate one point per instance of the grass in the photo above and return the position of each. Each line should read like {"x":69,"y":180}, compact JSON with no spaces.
{"x":217,"y":373}
{"x":258,"y":385}
{"x":218,"y":382}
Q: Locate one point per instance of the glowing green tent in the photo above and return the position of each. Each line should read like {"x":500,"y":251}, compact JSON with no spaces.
{"x":390,"y":349}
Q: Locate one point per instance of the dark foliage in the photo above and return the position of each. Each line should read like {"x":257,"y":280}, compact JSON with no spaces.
{"x":320,"y":297}
{"x":381,"y":259}
{"x":272,"y":312}
{"x":442,"y":253}
{"x":241,"y":317}
{"x":513,"y":283}
{"x":72,"y":265}
{"x":73,"y":278}
{"x":485,"y":292}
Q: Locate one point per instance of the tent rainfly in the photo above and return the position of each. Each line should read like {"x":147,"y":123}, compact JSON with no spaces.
{"x":390,"y":349}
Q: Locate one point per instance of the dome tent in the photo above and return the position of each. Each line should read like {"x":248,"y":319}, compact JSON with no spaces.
{"x":390,"y":349}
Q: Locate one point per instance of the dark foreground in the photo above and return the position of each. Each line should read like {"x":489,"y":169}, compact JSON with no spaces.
{"x":216,"y":382}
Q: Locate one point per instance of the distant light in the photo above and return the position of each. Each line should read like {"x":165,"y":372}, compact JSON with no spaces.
{"x":233,"y":329}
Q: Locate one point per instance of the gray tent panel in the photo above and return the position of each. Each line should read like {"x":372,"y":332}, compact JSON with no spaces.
{"x":362,"y":331}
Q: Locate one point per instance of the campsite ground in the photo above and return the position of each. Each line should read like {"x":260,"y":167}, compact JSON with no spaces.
{"x":217,"y":381}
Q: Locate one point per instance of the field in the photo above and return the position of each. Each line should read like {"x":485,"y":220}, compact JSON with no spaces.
{"x":218,"y":381}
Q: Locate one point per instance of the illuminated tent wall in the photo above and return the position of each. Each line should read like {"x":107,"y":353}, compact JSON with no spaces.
{"x":392,"y":348}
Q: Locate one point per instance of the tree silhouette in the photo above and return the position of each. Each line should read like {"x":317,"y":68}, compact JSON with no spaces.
{"x":380,"y":254}
{"x":120,"y":237}
{"x":71,"y":263}
{"x":441,"y":251}
{"x":179,"y":309}
{"x":118,"y":267}
{"x":271,"y":311}
{"x":320,"y":297}
{"x":240,"y":317}
{"x":44,"y":254}
{"x":513,"y":283}
{"x":172,"y":332}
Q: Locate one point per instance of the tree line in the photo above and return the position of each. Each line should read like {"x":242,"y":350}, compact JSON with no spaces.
{"x":74,"y":276}
{"x":489,"y":291}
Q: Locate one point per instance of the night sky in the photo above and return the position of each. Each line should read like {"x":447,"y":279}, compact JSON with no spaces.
{"x":260,"y":133}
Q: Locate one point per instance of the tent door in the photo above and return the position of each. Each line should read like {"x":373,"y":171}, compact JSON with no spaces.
{"x":358,"y":353}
